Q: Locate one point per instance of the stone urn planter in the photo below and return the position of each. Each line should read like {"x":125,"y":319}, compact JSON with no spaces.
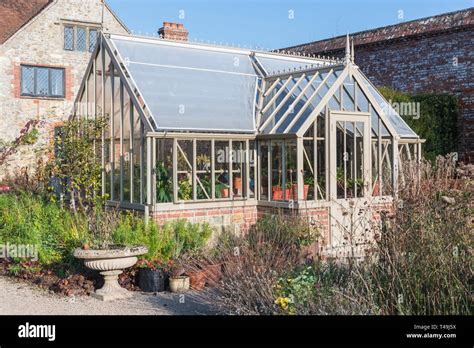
{"x":110,"y":263}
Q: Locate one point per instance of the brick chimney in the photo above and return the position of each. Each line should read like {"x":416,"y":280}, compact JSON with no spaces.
{"x":173,"y":31}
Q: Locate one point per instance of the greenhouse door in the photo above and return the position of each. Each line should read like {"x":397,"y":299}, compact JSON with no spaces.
{"x":350,"y":176}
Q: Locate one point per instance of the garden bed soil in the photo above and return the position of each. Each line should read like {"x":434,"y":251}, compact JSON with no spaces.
{"x":81,"y":283}
{"x":76,"y":284}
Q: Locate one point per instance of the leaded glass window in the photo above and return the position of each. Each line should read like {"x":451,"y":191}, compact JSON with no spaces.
{"x":27,"y":80}
{"x":42,"y":81}
{"x":92,"y":39}
{"x":81,"y":39}
{"x":69,"y":38}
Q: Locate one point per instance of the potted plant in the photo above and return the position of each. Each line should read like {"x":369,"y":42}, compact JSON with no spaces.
{"x":376,"y":191}
{"x":288,"y":189}
{"x":277,"y":193}
{"x":308,"y":181}
{"x":101,"y":254}
{"x":197,"y":278}
{"x":152,"y":276}
{"x":179,"y":282}
{"x":222,"y":190}
{"x":237,"y":184}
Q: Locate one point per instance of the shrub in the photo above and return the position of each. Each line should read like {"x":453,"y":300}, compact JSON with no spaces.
{"x":75,"y":170}
{"x":253,"y":263}
{"x":28,"y":219}
{"x":318,"y":288}
{"x":437,"y":122}
{"x":170,"y":241}
{"x":425,"y":250}
{"x":56,"y":231}
{"x":420,"y":264}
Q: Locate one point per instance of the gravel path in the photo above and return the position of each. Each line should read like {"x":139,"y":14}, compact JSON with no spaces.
{"x":20,"y":298}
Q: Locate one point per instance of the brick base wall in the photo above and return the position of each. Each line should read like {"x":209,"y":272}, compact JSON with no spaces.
{"x":240,"y":219}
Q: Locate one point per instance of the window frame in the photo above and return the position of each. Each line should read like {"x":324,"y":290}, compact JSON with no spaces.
{"x":88,"y":30}
{"x":86,"y":38}
{"x":73,"y":37}
{"x":35,"y":83}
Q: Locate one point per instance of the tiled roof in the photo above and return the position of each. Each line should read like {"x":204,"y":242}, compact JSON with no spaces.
{"x":15,"y":14}
{"x":443,"y":22}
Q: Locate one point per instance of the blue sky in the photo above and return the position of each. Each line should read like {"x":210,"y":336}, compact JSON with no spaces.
{"x":275,"y":23}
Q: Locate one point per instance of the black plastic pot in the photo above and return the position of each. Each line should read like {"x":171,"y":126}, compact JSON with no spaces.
{"x":151,"y":280}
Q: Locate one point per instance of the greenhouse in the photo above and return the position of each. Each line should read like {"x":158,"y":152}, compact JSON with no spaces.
{"x":223,"y":134}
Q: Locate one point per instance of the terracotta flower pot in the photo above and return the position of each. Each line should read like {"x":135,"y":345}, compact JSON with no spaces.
{"x":238,"y":183}
{"x":294,"y":192}
{"x":376,"y":189}
{"x":213,"y":273}
{"x":225,"y":192}
{"x":277,"y":193}
{"x":197,"y":280}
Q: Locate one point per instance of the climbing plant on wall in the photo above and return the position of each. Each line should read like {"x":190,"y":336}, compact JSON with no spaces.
{"x":437,"y":122}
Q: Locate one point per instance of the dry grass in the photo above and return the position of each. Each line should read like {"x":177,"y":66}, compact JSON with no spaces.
{"x":421,"y":264}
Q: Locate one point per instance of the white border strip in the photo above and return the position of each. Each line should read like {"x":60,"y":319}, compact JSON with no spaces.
{"x":188,"y":68}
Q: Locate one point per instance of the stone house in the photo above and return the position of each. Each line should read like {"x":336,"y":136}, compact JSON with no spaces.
{"x":432,"y":54}
{"x":45,"y":47}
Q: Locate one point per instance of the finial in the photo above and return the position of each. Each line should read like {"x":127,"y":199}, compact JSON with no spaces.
{"x":348,"y":50}
{"x":352,"y":51}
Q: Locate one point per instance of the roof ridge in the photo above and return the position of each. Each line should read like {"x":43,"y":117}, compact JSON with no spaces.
{"x":358,"y":33}
{"x":203,"y":45}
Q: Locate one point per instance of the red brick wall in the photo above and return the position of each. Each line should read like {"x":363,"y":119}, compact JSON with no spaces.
{"x":243,"y":217}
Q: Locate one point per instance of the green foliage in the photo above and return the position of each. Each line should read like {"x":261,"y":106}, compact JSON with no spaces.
{"x":437,"y":122}
{"x":309,"y":286}
{"x":207,"y":184}
{"x":283,"y":229}
{"x":76,"y":165}
{"x":31,"y":220}
{"x":30,"y":137}
{"x":164,"y":185}
{"x":185,"y":191}
{"x":170,"y":241}
{"x":14,"y":269}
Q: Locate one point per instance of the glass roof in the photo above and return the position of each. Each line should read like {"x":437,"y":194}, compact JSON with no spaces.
{"x":190,"y":88}
{"x":293,"y":99}
{"x":403,"y":130}
{"x":273,"y":65}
